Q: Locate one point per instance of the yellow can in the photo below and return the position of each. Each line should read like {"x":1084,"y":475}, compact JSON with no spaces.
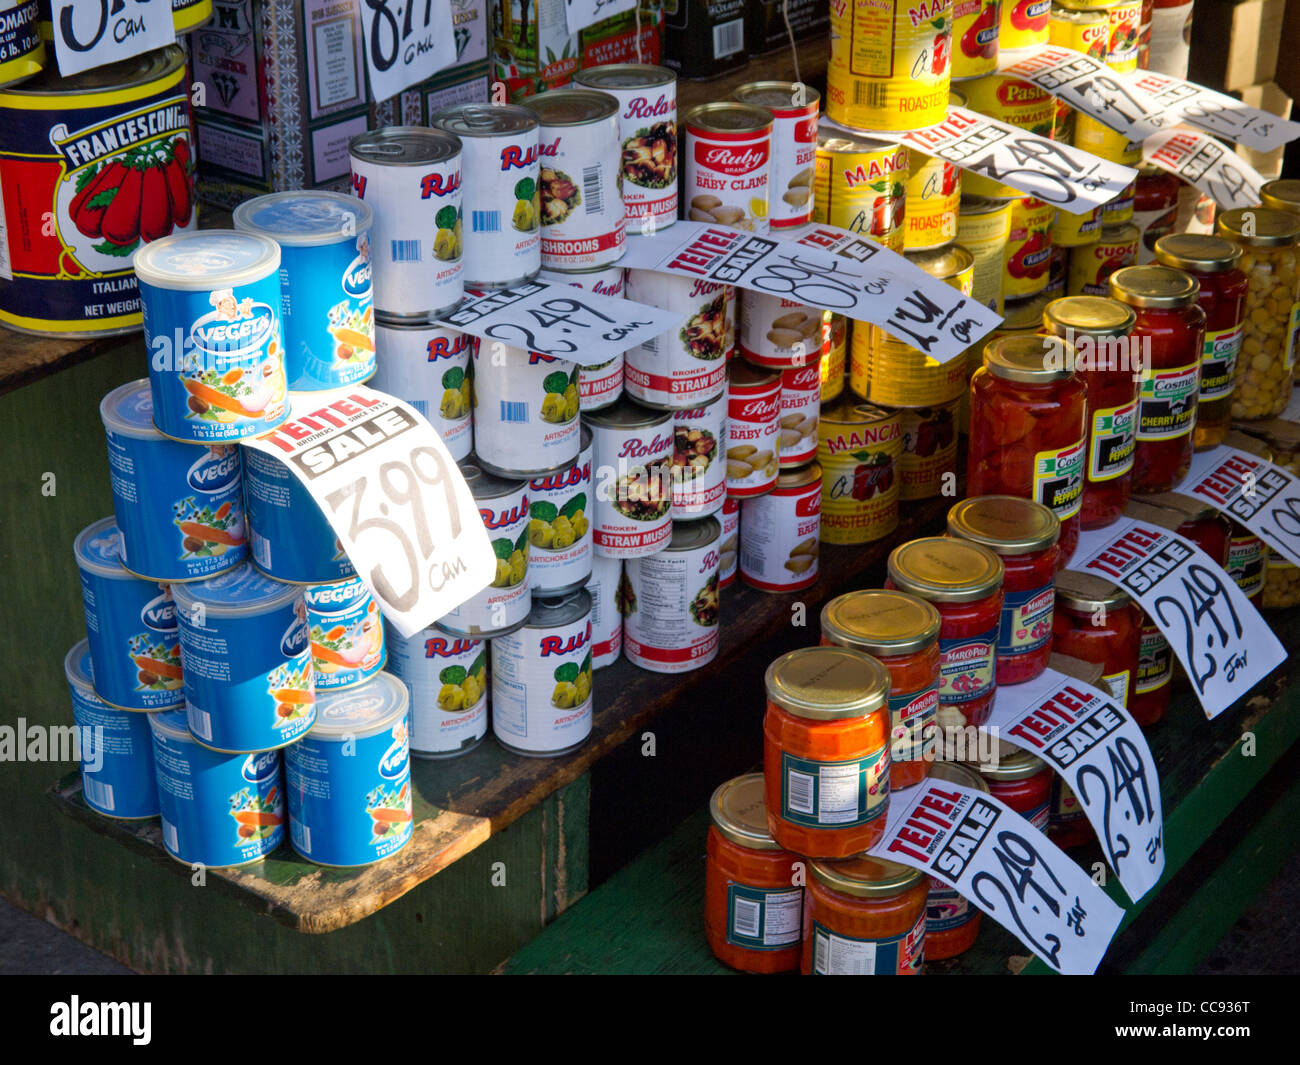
{"x":929,"y":450}
{"x":983,"y":226}
{"x":1024,"y":24}
{"x":1091,"y":266}
{"x":889,"y":67}
{"x":22,"y":49}
{"x":833,"y":361}
{"x":858,"y":447}
{"x":1016,"y":102}
{"x":187,"y":14}
{"x":974,"y":38}
{"x":1125,"y":31}
{"x":1120,"y":209}
{"x":1026,"y":258}
{"x":1085,"y":29}
{"x":1104,"y":142}
{"x":1075,"y":230}
{"x":933,"y":196}
{"x":859,"y":184}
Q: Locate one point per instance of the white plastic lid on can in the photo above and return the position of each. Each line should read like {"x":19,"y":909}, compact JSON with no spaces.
{"x":172,"y":723}
{"x":78,"y":669}
{"x":352,"y":713}
{"x":242,"y":590}
{"x":98,"y":548}
{"x":128,"y":411}
{"x":207,"y":259}
{"x":305,"y":217}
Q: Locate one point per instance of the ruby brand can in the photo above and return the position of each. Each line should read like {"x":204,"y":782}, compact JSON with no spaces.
{"x":780,"y":532}
{"x":290,"y":537}
{"x":699,"y":471}
{"x":686,"y":368}
{"x":753,"y":429}
{"x":778,"y":333}
{"x":600,"y":385}
{"x":346,"y":633}
{"x":672,"y":621}
{"x":446,"y":677}
{"x":801,"y":392}
{"x":729,"y":545}
{"x":633,"y":453}
{"x":411,"y":177}
{"x":861,"y":184}
{"x":525,"y":411}
{"x":794,"y":108}
{"x":427,"y":366}
{"x":559,"y":528}
{"x":606,"y":613}
{"x":728,"y":149}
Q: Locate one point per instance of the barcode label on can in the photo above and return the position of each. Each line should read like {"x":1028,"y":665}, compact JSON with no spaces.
{"x":406,"y":251}
{"x":262,"y":551}
{"x":728,"y":38}
{"x":97,"y":792}
{"x":169,"y":836}
{"x":870,"y":94}
{"x":301,"y":835}
{"x":200,"y":722}
{"x":801,"y":793}
{"x":421,"y":406}
{"x":514,"y":412}
{"x":485,"y":221}
{"x":592,"y":193}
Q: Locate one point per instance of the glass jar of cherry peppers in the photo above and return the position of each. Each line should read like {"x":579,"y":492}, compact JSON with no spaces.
{"x":1098,"y":622}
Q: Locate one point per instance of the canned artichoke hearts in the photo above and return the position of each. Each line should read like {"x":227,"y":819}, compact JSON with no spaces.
{"x":1029,"y":248}
{"x":975,"y":26}
{"x":933,"y":195}
{"x":1024,"y":24}
{"x":833,"y":361}
{"x":858,"y":449}
{"x":1086,"y":31}
{"x":446,"y":677}
{"x":1090,"y":266}
{"x":859,"y":185}
{"x":428,"y":367}
{"x":525,"y":411}
{"x":559,"y":527}
{"x":929,"y":450}
{"x":983,"y":226}
{"x":1016,"y":102}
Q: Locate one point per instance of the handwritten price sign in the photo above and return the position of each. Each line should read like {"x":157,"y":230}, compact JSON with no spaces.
{"x":393,"y":495}
{"x":1217,"y":634}
{"x":1202,"y":161}
{"x":405,"y":41}
{"x":90,"y":33}
{"x":1259,"y":495}
{"x":1090,"y":740}
{"x":995,"y":858}
{"x":1222,"y":115}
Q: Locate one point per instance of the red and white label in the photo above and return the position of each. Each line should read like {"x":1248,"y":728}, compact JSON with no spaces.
{"x":727,"y":178}
{"x":779,"y":542}
{"x":632,"y":478}
{"x":606,"y":616}
{"x":699,"y":462}
{"x":503,"y":243}
{"x":729,"y":546}
{"x":599,"y":386}
{"x":753,"y":437}
{"x":794,"y":152}
{"x":582,"y":205}
{"x":801,"y":395}
{"x":672,"y":626}
{"x":776,"y":332}
{"x":647,"y":121}
{"x":687,"y":367}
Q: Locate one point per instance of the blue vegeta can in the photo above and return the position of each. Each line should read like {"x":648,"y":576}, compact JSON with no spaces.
{"x":211,"y":307}
{"x":117,"y":777}
{"x":131,"y":624}
{"x":349,"y":778}
{"x":179,"y":507}
{"x":248,"y":675}
{"x":290,"y":537}
{"x":329,"y":325}
{"x":346,"y":633}
{"x":217,"y":809}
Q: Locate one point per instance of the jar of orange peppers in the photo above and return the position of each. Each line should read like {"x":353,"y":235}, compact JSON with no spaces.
{"x":951,"y":922}
{"x":865,"y":916}
{"x":902,"y":633}
{"x":826,"y":751}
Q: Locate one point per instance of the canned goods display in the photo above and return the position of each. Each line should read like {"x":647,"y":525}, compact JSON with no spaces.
{"x":541,"y":679}
{"x":500,"y":171}
{"x":1071,"y":230}
{"x":606,"y":611}
{"x":699,"y":475}
{"x":860,"y":185}
{"x":525,"y":411}
{"x":647,"y":133}
{"x":326,"y":299}
{"x":428,"y":366}
{"x":446,"y":678}
{"x":983,"y":228}
{"x":1029,"y":248}
{"x":411,"y":177}
{"x":688,"y":368}
{"x":729,"y":544}
{"x":290,"y":537}
{"x":349,"y":778}
{"x":1155,"y":209}
{"x":1082,"y":27}
{"x":833,"y":362}
{"x":794,"y":109}
{"x":633,"y":453}
{"x":781,"y":531}
{"x":929,"y":450}
{"x":778,"y":333}
{"x":671,"y":621}
{"x":753,"y":429}
{"x":975,"y":28}
{"x":1125,"y":29}
{"x":346,"y":633}
{"x":24,"y":48}
{"x":558,"y":526}
{"x":1024,"y":24}
{"x":582,"y":201}
{"x":211,"y":307}
{"x":1011,"y":100}
{"x":1092,"y":265}
{"x":601,"y":385}
{"x":858,"y":448}
{"x":728,"y":159}
{"x":933,"y":197}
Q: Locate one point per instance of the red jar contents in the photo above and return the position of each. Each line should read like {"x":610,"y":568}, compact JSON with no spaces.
{"x":963,"y":582}
{"x":1213,"y":262}
{"x":1155,"y":208}
{"x":952,"y":922}
{"x":1170,"y":322}
{"x":865,"y":916}
{"x":1023,"y":535}
{"x":1024,"y":782}
{"x":753,"y":910}
{"x":1028,"y":428}
{"x":1098,"y":622}
{"x":1209,"y":530}
{"x":1247,"y":562}
{"x":1067,"y":824}
{"x":1149,"y":701}
{"x":1099,"y":329}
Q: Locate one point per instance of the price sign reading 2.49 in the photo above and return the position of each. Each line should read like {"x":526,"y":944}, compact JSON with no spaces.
{"x":90,"y":33}
{"x":406,"y":41}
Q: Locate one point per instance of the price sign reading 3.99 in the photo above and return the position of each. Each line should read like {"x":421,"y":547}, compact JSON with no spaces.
{"x":405,"y":41}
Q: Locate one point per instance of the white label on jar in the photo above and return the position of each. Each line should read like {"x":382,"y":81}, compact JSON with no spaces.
{"x":1058,"y":479}
{"x":582,"y":204}
{"x":428,"y":367}
{"x":1117,"y":684}
{"x":699,"y":470}
{"x":559,"y":527}
{"x":448,"y":682}
{"x":672,"y":623}
{"x":525,"y":409}
{"x":779,"y":545}
{"x":753,"y":438}
{"x":541,"y":686}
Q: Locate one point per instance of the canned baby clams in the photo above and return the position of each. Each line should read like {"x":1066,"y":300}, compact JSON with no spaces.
{"x":753,"y":429}
{"x":800,"y":407}
{"x":686,"y":368}
{"x":427,"y":366}
{"x":780,"y":532}
{"x":559,"y":528}
{"x":794,"y":107}
{"x":446,"y":677}
{"x":699,"y":474}
{"x":346,"y":633}
{"x":290,"y":536}
{"x":671,"y":625}
{"x":633,"y":451}
{"x":729,"y":545}
{"x":779,"y":333}
{"x":728,"y":158}
{"x":525,"y":411}
{"x":858,"y":448}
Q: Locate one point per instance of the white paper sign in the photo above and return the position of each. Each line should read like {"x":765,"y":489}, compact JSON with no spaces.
{"x":1263,"y":497}
{"x":1202,"y":161}
{"x":1217,"y":634}
{"x":583,"y":327}
{"x":394,"y":496}
{"x":90,"y":33}
{"x":1222,"y":115}
{"x":1090,"y":740}
{"x":830,"y":268}
{"x":405,"y":42}
{"x":579,"y":14}
{"x":995,"y":858}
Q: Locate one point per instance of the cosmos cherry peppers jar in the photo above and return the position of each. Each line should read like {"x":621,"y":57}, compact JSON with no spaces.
{"x":1098,"y":622}
{"x":1028,"y":428}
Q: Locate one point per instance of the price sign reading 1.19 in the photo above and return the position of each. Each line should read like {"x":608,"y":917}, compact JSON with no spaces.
{"x":406,"y":41}
{"x":91,"y":33}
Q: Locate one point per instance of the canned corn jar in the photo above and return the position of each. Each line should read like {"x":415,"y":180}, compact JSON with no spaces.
{"x":671,"y":623}
{"x":346,"y":633}
{"x":600,"y":385}
{"x":860,"y":185}
{"x":800,"y":407}
{"x":1083,"y":27}
{"x":728,"y":165}
{"x":753,"y":429}
{"x":779,"y":333}
{"x":975,"y":25}
{"x":1024,"y":24}
{"x":428,"y":366}
{"x":446,"y":678}
{"x":933,"y":197}
{"x":687,"y":368}
{"x":525,"y":411}
{"x":983,"y":228}
{"x":1011,"y":100}
{"x":781,"y":533}
{"x":21,"y":43}
{"x":559,"y":528}
{"x":929,"y":450}
{"x":699,"y":474}
{"x":633,"y":452}
{"x":1090,"y":266}
{"x":858,"y":448}
{"x":290,"y":537}
{"x":794,"y":109}
{"x":833,"y":361}
{"x":1029,"y":248}
{"x":606,"y":611}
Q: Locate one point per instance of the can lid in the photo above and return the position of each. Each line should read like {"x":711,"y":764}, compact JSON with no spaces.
{"x":832,"y":137}
{"x":1196,"y":251}
{"x":551,"y":612}
{"x":1088,"y":592}
{"x":982,"y":205}
{"x":98,"y":548}
{"x":827,"y":683}
{"x":1281,"y":194}
{"x":1158,"y":287}
{"x":241,"y":590}
{"x":943,"y":570}
{"x":174,"y":724}
{"x":369,"y":707}
{"x":944,"y":263}
{"x":1269,"y":228}
{"x":1094,"y":316}
{"x":777,"y":95}
{"x":405,"y":146}
{"x":78,"y":668}
{"x":956,"y":773}
{"x":114,"y":77}
{"x":799,"y":476}
{"x":207,"y":259}
{"x":746,"y":375}
{"x":484,"y":485}
{"x":572,"y":107}
{"x":1007,"y":525}
{"x":128,"y":411}
{"x":1030,"y":358}
{"x":483,"y":120}
{"x":690,"y":535}
{"x":305,"y":217}
{"x":728,"y":116}
{"x":1018,"y":766}
{"x":866,"y":876}
{"x":849,"y":410}
{"x":1027,"y":313}
{"x":739,"y":814}
{"x":624,"y":76}
{"x":627,"y":414}
{"x":880,"y":622}
{"x":1083,"y":7}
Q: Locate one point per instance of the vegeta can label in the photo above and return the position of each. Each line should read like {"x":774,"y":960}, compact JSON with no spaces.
{"x":248,"y":676}
{"x":325,"y":281}
{"x":131,"y":625}
{"x":349,"y":778}
{"x":217,"y":809}
{"x":428,"y":367}
{"x":290,"y":536}
{"x":446,"y":677}
{"x":211,"y":303}
{"x":346,"y":632}
{"x":179,"y":507}
{"x":117,"y":777}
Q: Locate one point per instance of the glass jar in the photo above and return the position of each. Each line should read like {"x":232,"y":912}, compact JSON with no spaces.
{"x":1023,"y":534}
{"x":1099,"y":329}
{"x":1098,"y":622}
{"x":1155,"y":208}
{"x":952,"y":922}
{"x":753,"y":912}
{"x":865,"y":916}
{"x":1067,"y":824}
{"x":1281,"y":194}
{"x":826,"y":751}
{"x":902,"y":633}
{"x":1028,"y":428}
{"x":1281,"y":584}
{"x":1213,"y":262}
{"x":1248,"y":563}
{"x":1024,"y":782}
{"x":1208,"y":529}
{"x":1171,"y":330}
{"x":1149,"y":701}
{"x":1268,"y":259}
{"x":963,"y":582}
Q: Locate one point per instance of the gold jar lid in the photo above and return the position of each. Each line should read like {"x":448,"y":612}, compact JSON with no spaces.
{"x":1030,"y":358}
{"x":1281,"y":194}
{"x":1006,"y":525}
{"x":943,"y":570}
{"x":1157,"y":287}
{"x":1269,"y":227}
{"x":1197,"y":251}
{"x":1018,"y":766}
{"x":956,"y":773}
{"x":1088,"y":592}
{"x":880,"y":622}
{"x":1094,"y":316}
{"x":827,"y":683}
{"x":739,"y":814}
{"x":866,"y":876}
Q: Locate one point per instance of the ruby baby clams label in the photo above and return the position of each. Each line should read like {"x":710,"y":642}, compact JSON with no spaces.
{"x":753,"y":431}
{"x":726,"y":177}
{"x":1259,"y":495}
{"x":801,"y":393}
{"x":1086,"y":735}
{"x":992,"y":856}
{"x":1217,"y":634}
{"x":1212,"y":167}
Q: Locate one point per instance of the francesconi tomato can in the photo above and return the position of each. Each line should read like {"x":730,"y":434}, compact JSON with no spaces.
{"x":781,"y":532}
{"x":779,"y":333}
{"x":682,"y":369}
{"x":672,"y":623}
{"x":861,"y":185}
{"x":699,"y":472}
{"x":753,"y":429}
{"x":600,"y":385}
{"x":541,"y":679}
{"x":794,"y":107}
{"x":428,"y":366}
{"x":501,"y":200}
{"x":22,"y":48}
{"x":290,"y":537}
{"x":728,"y":162}
{"x":92,"y":167}
{"x":729,"y":544}
{"x":858,"y":450}
{"x":633,"y":455}
{"x":525,"y":411}
{"x":559,"y":526}
{"x":447,"y":679}
{"x":346,"y":633}
{"x":606,"y":611}
{"x":800,"y":408}
{"x":411,"y":178}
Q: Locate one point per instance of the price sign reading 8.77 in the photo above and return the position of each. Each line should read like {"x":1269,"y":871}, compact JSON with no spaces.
{"x":406,"y":41}
{"x":91,"y":33}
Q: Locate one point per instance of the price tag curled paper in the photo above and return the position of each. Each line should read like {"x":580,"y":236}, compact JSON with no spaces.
{"x":394,"y":497}
{"x":405,"y":41}
{"x":1202,"y":161}
{"x":1220,"y":114}
{"x":92,"y":33}
{"x":1263,"y":497}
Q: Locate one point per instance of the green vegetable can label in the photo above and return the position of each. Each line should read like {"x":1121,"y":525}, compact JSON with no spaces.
{"x":525,"y":411}
{"x":428,"y":366}
{"x":559,"y":526}
{"x":447,"y":678}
